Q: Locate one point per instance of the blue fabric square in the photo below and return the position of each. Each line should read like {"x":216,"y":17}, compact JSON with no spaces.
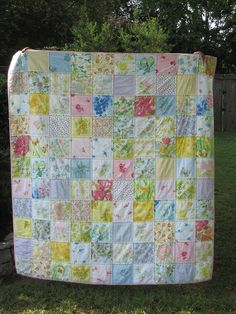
{"x":122,"y":232}
{"x":185,"y":167}
{"x":101,"y":232}
{"x":60,"y":189}
{"x":41,"y":189}
{"x":164,"y":210}
{"x":143,"y":253}
{"x":59,"y":62}
{"x":80,"y":253}
{"x":22,"y":207}
{"x":80,"y":168}
{"x":184,"y":273}
{"x":186,"y":125}
{"x":122,"y":274}
{"x":166,"y":105}
{"x":102,"y":105}
{"x":184,"y":231}
{"x":204,"y":106}
{"x":21,"y":63}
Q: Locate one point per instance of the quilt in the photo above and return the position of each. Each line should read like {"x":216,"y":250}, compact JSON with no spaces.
{"x":112,"y":166}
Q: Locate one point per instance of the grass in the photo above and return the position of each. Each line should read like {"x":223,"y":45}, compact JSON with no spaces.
{"x":24,"y":295}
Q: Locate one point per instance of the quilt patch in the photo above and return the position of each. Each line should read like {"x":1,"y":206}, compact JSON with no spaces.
{"x":112,"y":164}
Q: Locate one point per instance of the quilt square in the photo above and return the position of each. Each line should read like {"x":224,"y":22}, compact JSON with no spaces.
{"x":144,"y":106}
{"x":125,"y":64}
{"x":145,"y":64}
{"x":122,"y":253}
{"x":80,"y":231}
{"x":38,"y":61}
{"x":124,"y":105}
{"x":164,"y":210}
{"x":102,"y":105}
{"x":143,"y":274}
{"x":102,"y":274}
{"x":122,"y":211}
{"x":143,"y":211}
{"x":122,"y":274}
{"x":59,"y":104}
{"x":166,"y":105}
{"x":81,"y":147}
{"x":167,"y":63}
{"x":80,"y":253}
{"x":81,"y":105}
{"x":81,"y":168}
{"x":101,"y":232}
{"x":59,"y":62}
{"x":102,"y":126}
{"x":81,"y":63}
{"x":122,"y":232}
{"x":103,"y":63}
{"x":143,"y":232}
{"x":101,"y":253}
{"x":143,"y":253}
{"x":39,"y":103}
{"x":81,"y":126}
{"x":124,"y":85}
{"x":81,"y":273}
{"x":102,"y":169}
{"x":102,"y":84}
{"x":102,"y":211}
{"x":123,"y":127}
{"x":123,"y":169}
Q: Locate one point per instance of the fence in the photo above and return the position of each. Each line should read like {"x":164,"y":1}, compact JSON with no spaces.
{"x":224,"y":101}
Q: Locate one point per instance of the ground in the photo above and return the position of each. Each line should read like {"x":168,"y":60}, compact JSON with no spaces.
{"x":23,"y":295}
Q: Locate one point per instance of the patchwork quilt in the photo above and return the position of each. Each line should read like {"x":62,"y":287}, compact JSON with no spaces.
{"x":112,"y":164}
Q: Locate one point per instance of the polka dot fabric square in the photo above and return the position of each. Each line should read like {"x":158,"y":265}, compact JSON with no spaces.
{"x":112,"y":164}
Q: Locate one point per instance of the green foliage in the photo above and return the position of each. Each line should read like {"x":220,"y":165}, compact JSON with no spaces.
{"x":130,"y":36}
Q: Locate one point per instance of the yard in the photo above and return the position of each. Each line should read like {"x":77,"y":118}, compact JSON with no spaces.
{"x":23,"y":295}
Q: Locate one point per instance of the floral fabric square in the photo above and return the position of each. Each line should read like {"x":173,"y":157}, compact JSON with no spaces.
{"x":81,"y":105}
{"x":112,"y":164}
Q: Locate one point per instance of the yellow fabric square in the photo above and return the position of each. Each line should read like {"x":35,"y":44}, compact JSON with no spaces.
{"x":186,"y":146}
{"x":23,"y":227}
{"x":38,"y":61}
{"x":39,"y":104}
{"x":60,"y":252}
{"x":80,"y":231}
{"x":165,"y":168}
{"x":143,"y":210}
{"x":102,"y":211}
{"x":186,"y":84}
{"x":81,"y":126}
{"x":81,"y":273}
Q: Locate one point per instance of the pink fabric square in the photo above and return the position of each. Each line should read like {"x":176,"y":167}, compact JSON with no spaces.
{"x":101,"y":274}
{"x":81,"y":105}
{"x":81,"y":147}
{"x":21,"y":188}
{"x":167,"y":63}
{"x":184,"y":252}
{"x":165,"y":190}
{"x":123,"y":169}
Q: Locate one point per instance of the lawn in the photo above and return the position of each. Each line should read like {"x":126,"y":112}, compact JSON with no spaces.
{"x":23,"y":295}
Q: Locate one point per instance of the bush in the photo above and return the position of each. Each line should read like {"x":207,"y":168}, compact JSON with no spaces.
{"x":119,"y":34}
